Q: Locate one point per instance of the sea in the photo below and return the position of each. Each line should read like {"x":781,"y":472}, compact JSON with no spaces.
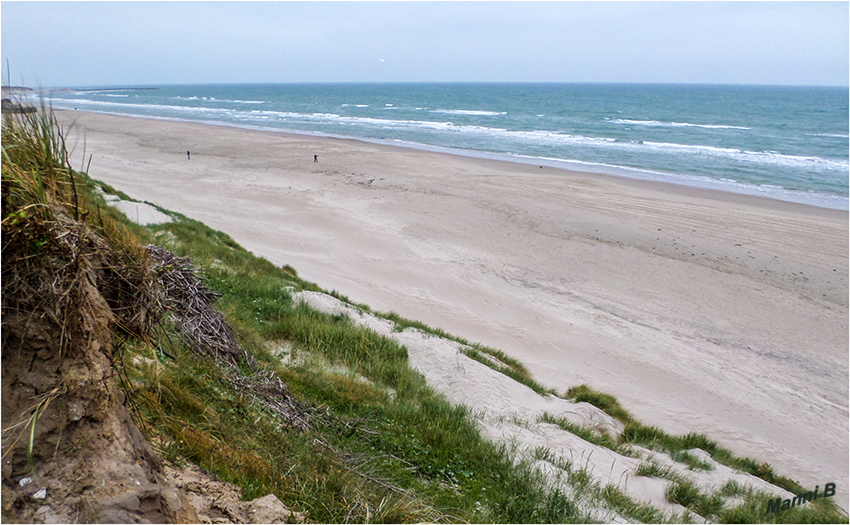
{"x":782,"y":142}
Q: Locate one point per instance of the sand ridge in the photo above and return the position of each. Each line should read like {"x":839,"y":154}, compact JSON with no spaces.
{"x":701,"y":311}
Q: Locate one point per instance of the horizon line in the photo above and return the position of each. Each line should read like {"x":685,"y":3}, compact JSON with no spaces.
{"x":516,"y":82}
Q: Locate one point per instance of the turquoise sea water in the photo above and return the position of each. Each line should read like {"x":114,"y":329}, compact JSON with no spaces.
{"x":789,"y":143}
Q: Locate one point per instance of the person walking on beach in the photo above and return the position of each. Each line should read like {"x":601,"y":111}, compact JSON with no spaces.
{"x":315,"y":158}
{"x":188,"y":155}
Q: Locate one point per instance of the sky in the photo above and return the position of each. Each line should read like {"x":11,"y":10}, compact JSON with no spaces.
{"x":87,"y":44}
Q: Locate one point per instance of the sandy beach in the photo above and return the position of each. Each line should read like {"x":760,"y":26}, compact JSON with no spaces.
{"x":701,"y":311}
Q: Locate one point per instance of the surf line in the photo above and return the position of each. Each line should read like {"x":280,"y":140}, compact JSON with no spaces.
{"x":777,"y":504}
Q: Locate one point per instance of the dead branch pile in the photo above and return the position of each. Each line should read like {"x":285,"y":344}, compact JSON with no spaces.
{"x":270,"y":391}
{"x":202,"y":328}
{"x":205,"y":331}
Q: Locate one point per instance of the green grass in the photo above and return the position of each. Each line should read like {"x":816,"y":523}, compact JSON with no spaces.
{"x":597,"y":438}
{"x":656,"y":439}
{"x":685,"y":494}
{"x":509,"y":367}
{"x":594,"y":494}
{"x":403,"y":323}
{"x":605,"y":402}
{"x":692,"y":461}
{"x":653,"y":469}
{"x":628,"y":507}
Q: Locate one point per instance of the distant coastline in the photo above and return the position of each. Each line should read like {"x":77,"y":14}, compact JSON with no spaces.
{"x":729,"y":188}
{"x":754,"y":140}
{"x":94,"y":90}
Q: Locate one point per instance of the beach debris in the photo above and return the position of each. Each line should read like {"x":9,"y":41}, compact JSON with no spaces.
{"x":270,"y":391}
{"x":202,"y":328}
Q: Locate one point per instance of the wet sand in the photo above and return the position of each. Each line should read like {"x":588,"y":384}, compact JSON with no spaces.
{"x":702,"y":311}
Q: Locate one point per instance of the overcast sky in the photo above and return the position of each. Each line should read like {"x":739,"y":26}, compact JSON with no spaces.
{"x":127,"y":43}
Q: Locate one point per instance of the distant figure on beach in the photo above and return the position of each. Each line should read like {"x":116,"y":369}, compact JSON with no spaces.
{"x":188,"y":156}
{"x":315,"y":158}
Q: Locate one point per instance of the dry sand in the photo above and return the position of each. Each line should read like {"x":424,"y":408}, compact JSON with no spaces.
{"x":701,"y":311}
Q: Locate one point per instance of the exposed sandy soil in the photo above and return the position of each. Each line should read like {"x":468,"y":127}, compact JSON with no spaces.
{"x":219,"y":502}
{"x":71,"y":451}
{"x":701,"y":311}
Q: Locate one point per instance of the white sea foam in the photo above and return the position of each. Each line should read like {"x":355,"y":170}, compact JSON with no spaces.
{"x":470,"y":112}
{"x":760,"y":157}
{"x":656,"y":123}
{"x":68,"y":103}
{"x":553,"y":138}
{"x":833,"y":135}
{"x":813,"y":198}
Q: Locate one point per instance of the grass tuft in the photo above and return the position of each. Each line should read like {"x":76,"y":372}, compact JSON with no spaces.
{"x":686,"y":494}
{"x":600,"y":439}
{"x":605,"y":402}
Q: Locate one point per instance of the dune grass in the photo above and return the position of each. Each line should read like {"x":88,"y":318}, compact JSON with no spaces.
{"x":503,"y":363}
{"x":597,"y":438}
{"x":651,"y":468}
{"x":654,"y":438}
{"x":605,"y":402}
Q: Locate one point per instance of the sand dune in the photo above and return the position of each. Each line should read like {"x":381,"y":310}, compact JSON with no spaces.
{"x":701,"y":311}
{"x":508,"y":412}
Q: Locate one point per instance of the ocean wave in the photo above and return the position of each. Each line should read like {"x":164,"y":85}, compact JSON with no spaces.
{"x":501,"y":137}
{"x":224,"y":100}
{"x":72,"y":102}
{"x":657,"y":123}
{"x":349,"y":120}
{"x":469,"y":112}
{"x":833,"y":135}
{"x":760,"y":157}
{"x":772,"y":158}
{"x":810,"y":197}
